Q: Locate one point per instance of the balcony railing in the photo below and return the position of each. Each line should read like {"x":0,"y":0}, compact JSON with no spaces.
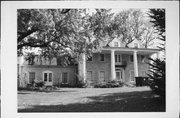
{"x":122,"y":63}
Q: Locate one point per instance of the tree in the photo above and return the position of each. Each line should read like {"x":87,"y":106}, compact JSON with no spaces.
{"x":62,"y":31}
{"x":130,"y":25}
{"x":157,"y":72}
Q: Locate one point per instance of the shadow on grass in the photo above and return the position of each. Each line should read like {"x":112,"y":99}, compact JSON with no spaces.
{"x":45,"y":91}
{"x":116,"y":102}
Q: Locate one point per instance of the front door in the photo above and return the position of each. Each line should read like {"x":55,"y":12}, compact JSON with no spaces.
{"x":47,"y":78}
{"x":119,"y":75}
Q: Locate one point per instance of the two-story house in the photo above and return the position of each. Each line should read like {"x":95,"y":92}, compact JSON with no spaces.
{"x":114,"y":62}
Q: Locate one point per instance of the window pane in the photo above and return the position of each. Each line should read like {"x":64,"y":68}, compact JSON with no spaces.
{"x":102,"y":76}
{"x":89,"y":59}
{"x":64,"y":77}
{"x":119,"y":58}
{"x":116,"y":44}
{"x":50,"y":77}
{"x":131,"y":58}
{"x":101,"y":57}
{"x":132,"y":76}
{"x":31,"y":77}
{"x":116,"y":58}
{"x":45,"y":77}
{"x":89,"y":75}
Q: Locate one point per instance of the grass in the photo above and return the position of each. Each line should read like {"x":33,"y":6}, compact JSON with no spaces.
{"x":124,"y":99}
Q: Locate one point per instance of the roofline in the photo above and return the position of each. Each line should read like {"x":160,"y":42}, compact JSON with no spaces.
{"x":132,"y":49}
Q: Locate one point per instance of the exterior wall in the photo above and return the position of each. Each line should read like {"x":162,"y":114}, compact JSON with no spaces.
{"x":96,"y":66}
{"x":130,"y":67}
{"x":56,"y":70}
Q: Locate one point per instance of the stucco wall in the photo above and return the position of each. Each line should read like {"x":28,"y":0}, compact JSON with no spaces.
{"x":56,"y":70}
{"x":96,"y":66}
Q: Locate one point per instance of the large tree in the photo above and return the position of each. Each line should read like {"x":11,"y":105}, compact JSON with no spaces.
{"x":62,"y":31}
{"x":129,"y":24}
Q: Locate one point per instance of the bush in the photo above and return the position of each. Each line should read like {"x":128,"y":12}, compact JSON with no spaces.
{"x":39,"y":83}
{"x":110,"y":84}
{"x":157,"y":77}
{"x":81,"y":84}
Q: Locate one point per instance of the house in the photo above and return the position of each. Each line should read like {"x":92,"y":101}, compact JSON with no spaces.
{"x":114,"y":62}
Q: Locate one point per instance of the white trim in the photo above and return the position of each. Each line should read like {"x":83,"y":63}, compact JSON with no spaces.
{"x":100,"y":76}
{"x":47,"y":71}
{"x":118,"y":58}
{"x":91,"y":75}
{"x":29,"y":74}
{"x":62,"y":77}
{"x":123,"y":75}
{"x":131,"y":75}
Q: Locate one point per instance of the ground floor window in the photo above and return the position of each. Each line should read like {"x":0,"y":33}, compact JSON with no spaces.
{"x":47,"y":76}
{"x":102,"y":76}
{"x":132,"y":78}
{"x":64,"y":77}
{"x":119,"y":75}
{"x":89,"y":75}
{"x":143,"y":73}
{"x":31,"y":77}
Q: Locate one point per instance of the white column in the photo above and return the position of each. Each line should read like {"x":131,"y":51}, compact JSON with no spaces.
{"x":82,"y":67}
{"x":135,"y":64}
{"x":113,"y":74}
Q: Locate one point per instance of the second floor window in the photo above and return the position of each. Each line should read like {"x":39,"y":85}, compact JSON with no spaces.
{"x":131,"y":58}
{"x":118,"y":58}
{"x":89,"y":59}
{"x":101,"y":57}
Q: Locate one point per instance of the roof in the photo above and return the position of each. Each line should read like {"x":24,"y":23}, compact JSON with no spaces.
{"x":130,"y":50}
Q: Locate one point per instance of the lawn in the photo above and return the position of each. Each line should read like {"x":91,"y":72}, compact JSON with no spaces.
{"x":123,"y":99}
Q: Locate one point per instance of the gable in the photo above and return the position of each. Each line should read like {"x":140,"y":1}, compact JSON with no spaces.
{"x":116,"y":42}
{"x":135,"y":44}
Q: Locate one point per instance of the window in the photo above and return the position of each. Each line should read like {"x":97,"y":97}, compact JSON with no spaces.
{"x":64,"y":77}
{"x":142,"y":58}
{"x":143,"y":73}
{"x":89,"y":59}
{"x":136,"y":45}
{"x":101,"y":57}
{"x":89,"y":75}
{"x":132,"y":78}
{"x":131,"y":58}
{"x":118,"y":58}
{"x":116,"y":44}
{"x":102,"y":76}
{"x":48,"y":76}
{"x":31,"y":77}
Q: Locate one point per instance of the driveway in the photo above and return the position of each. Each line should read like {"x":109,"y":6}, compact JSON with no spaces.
{"x":90,"y":100}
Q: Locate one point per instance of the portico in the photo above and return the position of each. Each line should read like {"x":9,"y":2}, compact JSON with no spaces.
{"x":134,"y":52}
{"x":113,"y":64}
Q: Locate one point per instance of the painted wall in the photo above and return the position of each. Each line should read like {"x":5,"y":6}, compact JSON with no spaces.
{"x":56,"y":70}
{"x":96,"y":66}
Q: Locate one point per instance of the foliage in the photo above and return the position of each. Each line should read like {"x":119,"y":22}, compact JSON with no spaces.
{"x":80,"y":83}
{"x":130,"y":25}
{"x":54,"y":32}
{"x":157,"y":76}
{"x":39,"y":83}
{"x":158,"y":19}
{"x":110,"y":84}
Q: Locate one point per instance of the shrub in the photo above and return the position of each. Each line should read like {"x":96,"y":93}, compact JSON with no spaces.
{"x":110,"y":84}
{"x":39,"y":83}
{"x":157,"y":77}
